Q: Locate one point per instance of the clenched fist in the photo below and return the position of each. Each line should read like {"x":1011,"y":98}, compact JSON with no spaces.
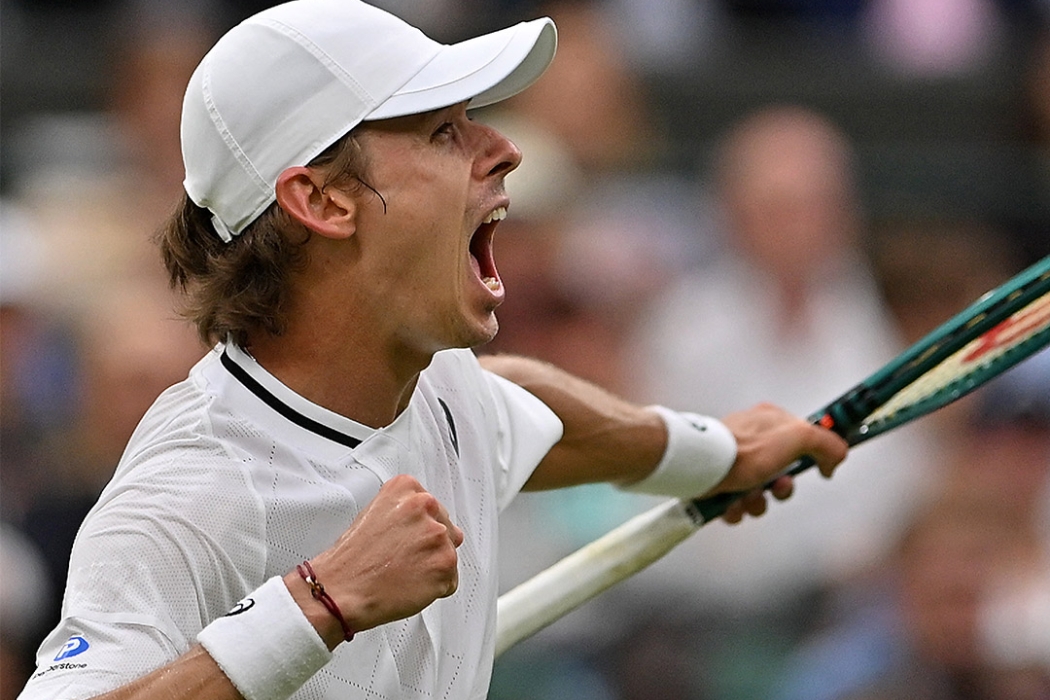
{"x":396,"y":558}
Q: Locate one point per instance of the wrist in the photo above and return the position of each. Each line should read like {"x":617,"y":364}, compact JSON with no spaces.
{"x":319,"y":607}
{"x":266,"y":646}
{"x":699,"y":453}
{"x":320,"y":619}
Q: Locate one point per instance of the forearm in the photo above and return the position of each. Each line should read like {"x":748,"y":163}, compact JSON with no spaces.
{"x":193,"y":676}
{"x":609,"y":439}
{"x":605,"y":438}
{"x":196,"y":676}
{"x":279,"y":631}
{"x":396,"y":558}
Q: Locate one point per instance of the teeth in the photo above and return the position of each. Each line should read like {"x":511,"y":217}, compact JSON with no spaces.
{"x":499,"y":214}
{"x":492,"y":283}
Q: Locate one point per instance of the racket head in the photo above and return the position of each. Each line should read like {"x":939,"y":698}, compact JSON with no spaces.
{"x":998,"y":331}
{"x":1003,"y":328}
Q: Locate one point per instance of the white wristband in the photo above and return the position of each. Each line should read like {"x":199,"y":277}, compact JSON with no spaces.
{"x":265,"y":645}
{"x":700,"y":451}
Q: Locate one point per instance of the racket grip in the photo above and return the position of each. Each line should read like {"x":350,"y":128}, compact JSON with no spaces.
{"x":715,"y":506}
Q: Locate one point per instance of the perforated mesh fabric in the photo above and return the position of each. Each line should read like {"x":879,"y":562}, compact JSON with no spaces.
{"x":217,"y":492}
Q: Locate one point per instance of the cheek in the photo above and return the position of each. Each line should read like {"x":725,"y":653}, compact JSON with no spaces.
{"x":421,"y":234}
{"x":423,"y":258}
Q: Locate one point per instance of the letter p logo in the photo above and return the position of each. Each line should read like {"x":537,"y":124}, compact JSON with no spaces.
{"x":73,"y":646}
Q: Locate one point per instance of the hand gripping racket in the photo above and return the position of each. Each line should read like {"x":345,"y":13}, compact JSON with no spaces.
{"x":1002,"y":328}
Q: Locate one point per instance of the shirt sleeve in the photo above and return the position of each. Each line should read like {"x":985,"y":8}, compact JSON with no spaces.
{"x":162,"y":554}
{"x":75,"y":661}
{"x":527,"y":429}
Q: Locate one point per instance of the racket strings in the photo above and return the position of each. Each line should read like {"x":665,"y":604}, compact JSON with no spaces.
{"x":990,"y":353}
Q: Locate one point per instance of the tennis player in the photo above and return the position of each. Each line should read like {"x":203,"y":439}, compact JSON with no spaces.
{"x":313,"y":512}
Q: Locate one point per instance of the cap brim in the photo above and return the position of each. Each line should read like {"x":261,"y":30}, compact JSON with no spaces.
{"x":483,"y":70}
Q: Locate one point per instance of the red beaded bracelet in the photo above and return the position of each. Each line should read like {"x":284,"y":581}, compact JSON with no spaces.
{"x":318,"y":592}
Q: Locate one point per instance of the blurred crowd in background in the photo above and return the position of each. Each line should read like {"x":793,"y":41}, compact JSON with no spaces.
{"x":721,"y":202}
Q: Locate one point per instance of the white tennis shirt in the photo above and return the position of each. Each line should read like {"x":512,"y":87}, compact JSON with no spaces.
{"x":232,"y":478}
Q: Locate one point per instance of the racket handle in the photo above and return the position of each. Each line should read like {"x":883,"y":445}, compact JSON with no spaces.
{"x":715,"y":506}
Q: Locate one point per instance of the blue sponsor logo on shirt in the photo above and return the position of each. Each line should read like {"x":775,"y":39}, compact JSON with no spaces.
{"x":73,"y":646}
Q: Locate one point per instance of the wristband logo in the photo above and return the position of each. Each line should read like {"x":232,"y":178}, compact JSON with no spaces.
{"x":702,"y":427}
{"x":73,"y":646}
{"x":243,"y":606}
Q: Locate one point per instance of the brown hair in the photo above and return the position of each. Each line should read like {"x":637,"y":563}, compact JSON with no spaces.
{"x":230,"y":289}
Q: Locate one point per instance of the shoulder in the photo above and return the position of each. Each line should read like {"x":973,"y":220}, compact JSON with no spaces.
{"x":176,"y":445}
{"x":460,"y":377}
{"x":453,"y":365}
{"x":179,"y":478}
{"x":457,"y":378}
{"x":176,"y":535}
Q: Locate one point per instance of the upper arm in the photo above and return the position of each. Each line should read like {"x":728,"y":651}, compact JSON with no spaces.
{"x":605,"y":438}
{"x":526,"y":429}
{"x":165,"y":551}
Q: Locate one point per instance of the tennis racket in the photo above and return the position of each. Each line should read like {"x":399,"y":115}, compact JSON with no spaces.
{"x":999,"y":330}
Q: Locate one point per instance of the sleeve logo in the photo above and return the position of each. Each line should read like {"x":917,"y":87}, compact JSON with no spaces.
{"x":73,"y":646}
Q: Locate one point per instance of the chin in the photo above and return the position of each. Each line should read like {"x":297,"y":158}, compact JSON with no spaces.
{"x":480,"y":333}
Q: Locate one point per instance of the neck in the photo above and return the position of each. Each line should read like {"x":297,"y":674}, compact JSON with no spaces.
{"x":353,"y":376}
{"x":341,"y":348}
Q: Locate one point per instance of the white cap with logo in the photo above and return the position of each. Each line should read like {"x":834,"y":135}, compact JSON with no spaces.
{"x":282,"y":86}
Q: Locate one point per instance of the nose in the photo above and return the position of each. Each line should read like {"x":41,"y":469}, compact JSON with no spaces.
{"x":498,"y":154}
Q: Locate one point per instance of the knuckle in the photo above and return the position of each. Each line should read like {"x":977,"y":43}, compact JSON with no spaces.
{"x":404,"y":481}
{"x":422,"y":503}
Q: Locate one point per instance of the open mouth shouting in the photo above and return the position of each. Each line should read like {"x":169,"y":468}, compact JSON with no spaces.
{"x":481,"y":259}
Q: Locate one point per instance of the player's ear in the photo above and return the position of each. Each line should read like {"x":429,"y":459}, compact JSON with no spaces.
{"x":329,"y":211}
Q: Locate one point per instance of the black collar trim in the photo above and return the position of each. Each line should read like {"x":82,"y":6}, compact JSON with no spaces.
{"x":284,"y":409}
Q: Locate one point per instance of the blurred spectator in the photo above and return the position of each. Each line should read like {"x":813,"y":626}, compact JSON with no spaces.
{"x":549,"y":315}
{"x":24,"y":592}
{"x":789,"y":314}
{"x":595,"y":229}
{"x":95,"y":215}
{"x":623,"y":228}
{"x":929,"y":267}
{"x":130,"y":348}
{"x":961,"y":609}
{"x":963,"y":616}
{"x":578,"y":267}
{"x":934,"y":38}
{"x":588,"y":242}
{"x":93,"y":339}
{"x":1003,"y":450}
{"x":540,"y":317}
{"x":32,"y":390}
{"x":591,"y":98}
{"x":577,"y":274}
{"x":36,"y":368}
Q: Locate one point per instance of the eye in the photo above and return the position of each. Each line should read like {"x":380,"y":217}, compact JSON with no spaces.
{"x":446,"y":130}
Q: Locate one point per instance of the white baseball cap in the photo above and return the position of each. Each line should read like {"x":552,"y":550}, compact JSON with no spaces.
{"x":288,"y":82}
